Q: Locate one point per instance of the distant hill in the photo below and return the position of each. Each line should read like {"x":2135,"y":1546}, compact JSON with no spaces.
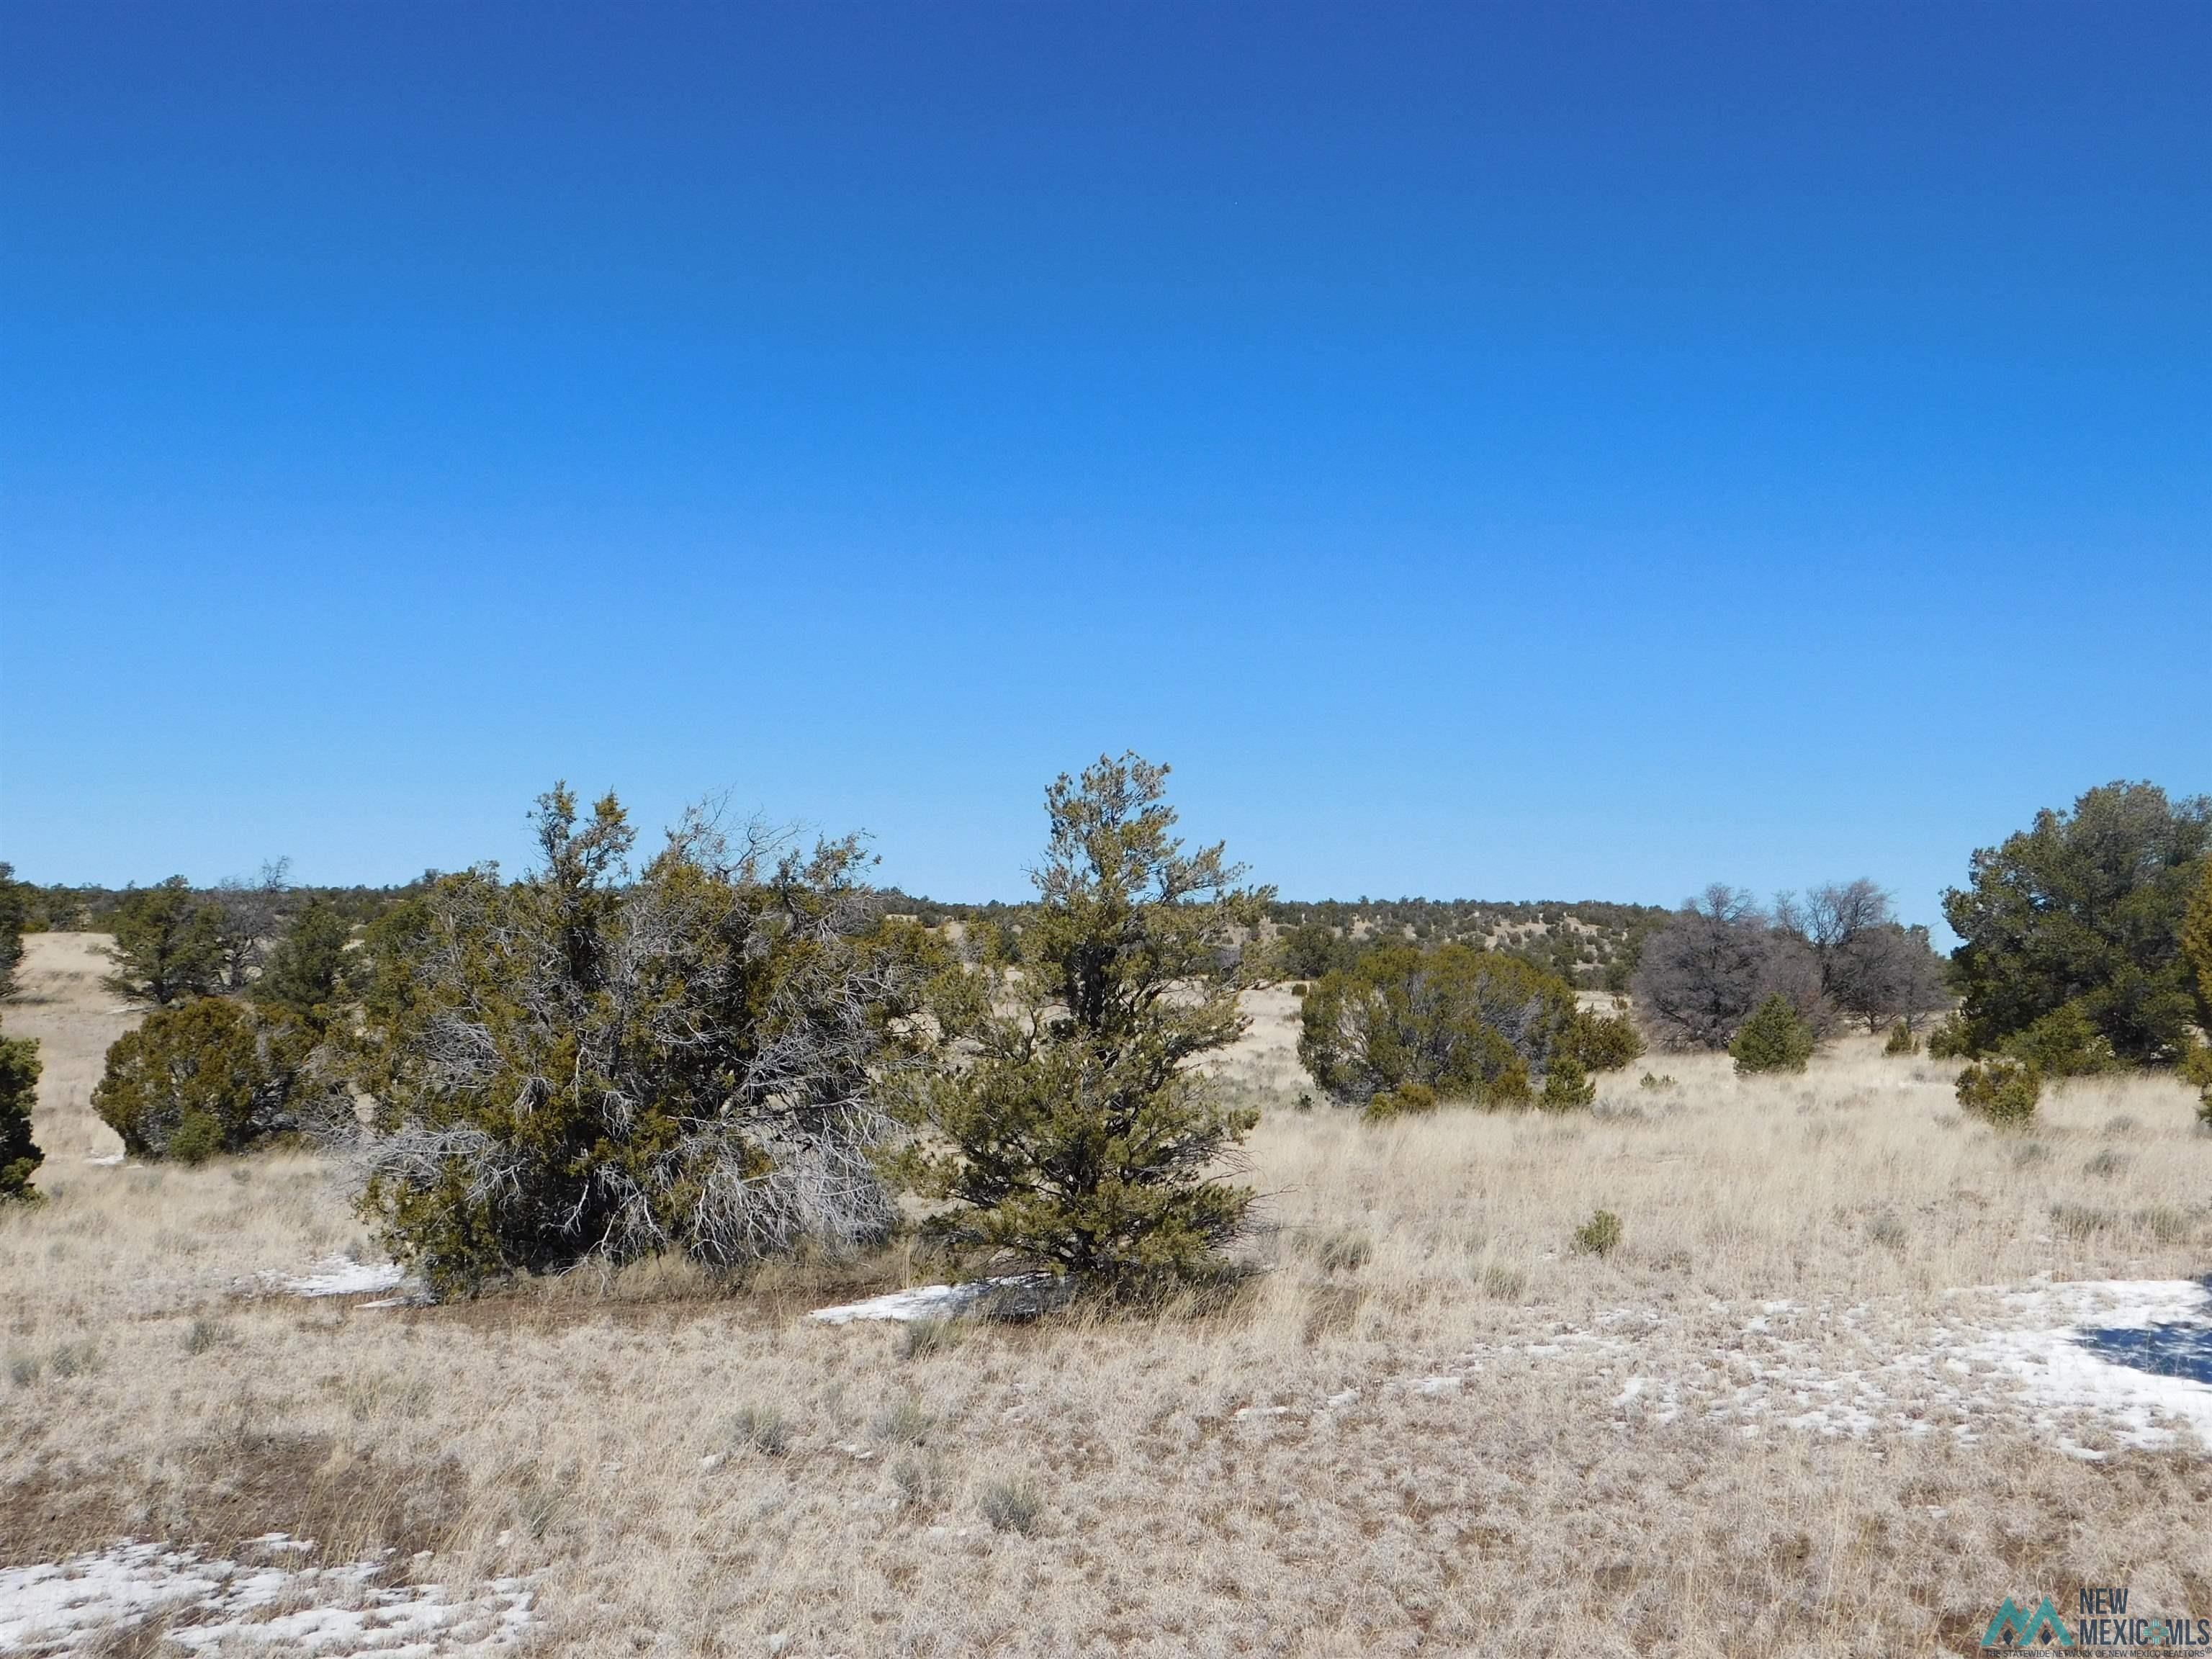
{"x":1593,"y":943}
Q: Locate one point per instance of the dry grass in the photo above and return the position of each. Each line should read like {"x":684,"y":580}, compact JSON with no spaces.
{"x":1415,"y":1434}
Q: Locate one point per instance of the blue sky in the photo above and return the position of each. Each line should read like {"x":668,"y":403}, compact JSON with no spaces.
{"x":1505,"y":452}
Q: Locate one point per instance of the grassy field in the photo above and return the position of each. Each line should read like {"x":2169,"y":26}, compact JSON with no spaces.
{"x":1779,"y":1416}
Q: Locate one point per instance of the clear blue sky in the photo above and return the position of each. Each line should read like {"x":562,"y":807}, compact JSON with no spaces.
{"x":1495,"y":451}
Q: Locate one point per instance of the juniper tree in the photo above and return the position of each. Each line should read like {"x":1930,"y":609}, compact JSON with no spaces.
{"x":20,"y":1156}
{"x":1077,"y":1133}
{"x":1476,"y":1024}
{"x":169,"y":945}
{"x":307,"y":969}
{"x":14,"y":916}
{"x":597,"y":1063}
{"x":2086,"y":908}
{"x":201,"y":1077}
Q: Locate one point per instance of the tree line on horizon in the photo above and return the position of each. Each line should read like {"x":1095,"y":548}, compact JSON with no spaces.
{"x":738,"y":1045}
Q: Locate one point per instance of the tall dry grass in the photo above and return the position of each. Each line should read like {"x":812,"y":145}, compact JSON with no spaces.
{"x":1415,"y":1433}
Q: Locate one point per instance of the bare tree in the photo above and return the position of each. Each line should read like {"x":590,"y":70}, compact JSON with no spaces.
{"x":248,"y":915}
{"x":1870,"y":966}
{"x":1705,"y":971}
{"x":1893,"y":972}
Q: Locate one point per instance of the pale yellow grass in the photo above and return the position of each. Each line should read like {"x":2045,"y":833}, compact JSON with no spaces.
{"x":1280,"y":1477}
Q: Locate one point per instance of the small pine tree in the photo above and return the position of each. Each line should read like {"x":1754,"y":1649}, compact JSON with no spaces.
{"x":1078,"y":1136}
{"x":19,"y":1089}
{"x":1605,"y":1042}
{"x":1901,"y":1041}
{"x":2004,"y":1091}
{"x":1600,"y":1236}
{"x":1775,"y":1038}
{"x":1566,"y":1086}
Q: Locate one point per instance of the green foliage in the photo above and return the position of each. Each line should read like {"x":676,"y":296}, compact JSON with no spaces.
{"x":1600,"y":1236}
{"x":204,"y":1077}
{"x":2085,"y":907}
{"x":1566,"y":1086}
{"x":597,"y":1062}
{"x":20,"y":1156}
{"x":1605,"y":1042}
{"x":1406,"y":1100}
{"x":1775,"y":1038}
{"x":2197,"y":1068}
{"x":1312,"y":949}
{"x":1462,"y":1021}
{"x":169,"y":945}
{"x":2004,"y":1091}
{"x":2196,"y":943}
{"x":17,"y":900}
{"x":308,"y":972}
{"x":2062,"y":1044}
{"x":1901,"y":1041}
{"x":1949,"y":1039}
{"x":1079,"y":1135}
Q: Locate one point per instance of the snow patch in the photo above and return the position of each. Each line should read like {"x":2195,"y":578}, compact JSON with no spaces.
{"x":224,"y":1606}
{"x":923,"y":1301}
{"x":337,"y":1276}
{"x":2137,"y":1353}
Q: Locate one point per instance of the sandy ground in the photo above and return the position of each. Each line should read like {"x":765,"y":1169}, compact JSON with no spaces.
{"x":1823,"y":1399}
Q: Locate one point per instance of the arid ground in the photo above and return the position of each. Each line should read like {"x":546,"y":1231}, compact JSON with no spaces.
{"x":1856,"y":1373}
